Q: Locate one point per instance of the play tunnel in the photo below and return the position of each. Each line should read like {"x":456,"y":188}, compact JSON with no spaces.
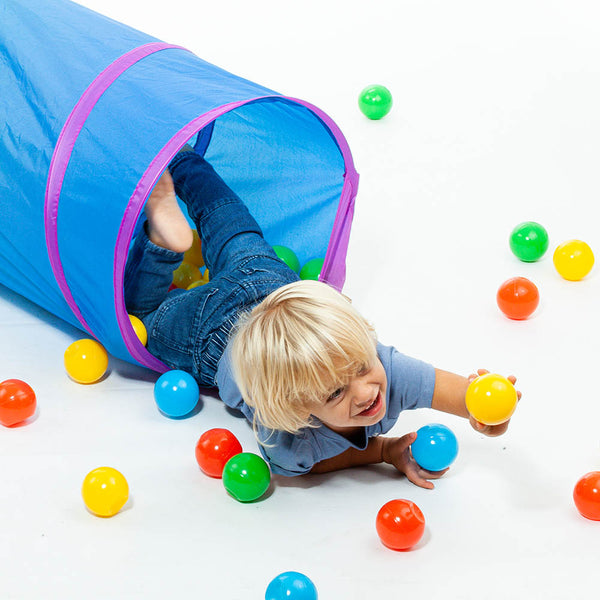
{"x":92,"y":112}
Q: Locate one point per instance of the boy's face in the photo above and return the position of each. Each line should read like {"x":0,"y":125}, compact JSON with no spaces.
{"x":359,"y":404}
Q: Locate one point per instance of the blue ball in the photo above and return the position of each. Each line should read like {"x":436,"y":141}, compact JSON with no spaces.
{"x":176,"y":393}
{"x":291,"y":586}
{"x":435,"y":448}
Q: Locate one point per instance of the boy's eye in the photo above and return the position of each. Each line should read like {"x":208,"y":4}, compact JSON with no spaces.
{"x":336,"y":394}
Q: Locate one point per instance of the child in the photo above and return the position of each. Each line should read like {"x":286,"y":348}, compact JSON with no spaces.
{"x":294,"y":356}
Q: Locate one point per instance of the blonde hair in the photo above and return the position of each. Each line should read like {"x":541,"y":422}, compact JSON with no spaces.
{"x":295,"y":348}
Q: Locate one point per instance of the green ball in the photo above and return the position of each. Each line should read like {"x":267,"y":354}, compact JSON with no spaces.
{"x":288,"y":257}
{"x":312,"y":269}
{"x":375,"y":101}
{"x":529,"y":241}
{"x":246,"y":476}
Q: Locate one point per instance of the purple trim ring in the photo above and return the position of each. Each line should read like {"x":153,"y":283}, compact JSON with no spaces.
{"x":331,"y":273}
{"x":64,"y":149}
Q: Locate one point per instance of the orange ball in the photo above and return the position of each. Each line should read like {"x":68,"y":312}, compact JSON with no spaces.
{"x":400,"y":524}
{"x":17,"y":402}
{"x":518,"y":298}
{"x":587,"y":496}
{"x":214,"y":448}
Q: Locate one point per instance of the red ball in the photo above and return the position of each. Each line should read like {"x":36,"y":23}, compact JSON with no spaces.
{"x":517,"y":298}
{"x":214,"y":448}
{"x":587,"y":496}
{"x":17,"y":402}
{"x":400,"y":524}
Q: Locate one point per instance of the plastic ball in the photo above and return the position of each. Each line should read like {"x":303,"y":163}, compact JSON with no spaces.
{"x":105,"y":491}
{"x":587,"y":496}
{"x":518,"y":298}
{"x":288,"y":257}
{"x":246,"y":476}
{"x":400,"y":524}
{"x":139,"y":328}
{"x":17,"y":402}
{"x":196,"y":284}
{"x":375,"y":101}
{"x":312,"y":269}
{"x":573,"y":260}
{"x":86,"y":361}
{"x":193,"y":256}
{"x":214,"y":448}
{"x":491,"y":399}
{"x":186,"y":274}
{"x":176,"y":393}
{"x":291,"y":585}
{"x":529,"y":241}
{"x":435,"y":448}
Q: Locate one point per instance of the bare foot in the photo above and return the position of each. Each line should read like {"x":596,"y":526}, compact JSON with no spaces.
{"x":167,"y":226}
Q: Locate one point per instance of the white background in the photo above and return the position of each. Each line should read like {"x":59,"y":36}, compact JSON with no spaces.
{"x":495,"y":121}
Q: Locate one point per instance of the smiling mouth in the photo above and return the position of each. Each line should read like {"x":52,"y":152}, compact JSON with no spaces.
{"x":373,"y":408}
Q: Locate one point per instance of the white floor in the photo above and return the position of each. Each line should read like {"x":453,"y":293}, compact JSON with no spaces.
{"x":496,"y":120}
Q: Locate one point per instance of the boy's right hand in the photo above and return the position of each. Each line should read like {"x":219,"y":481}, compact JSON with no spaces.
{"x":396,"y":452}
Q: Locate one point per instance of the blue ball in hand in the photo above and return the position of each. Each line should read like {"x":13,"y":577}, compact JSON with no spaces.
{"x":435,"y":448}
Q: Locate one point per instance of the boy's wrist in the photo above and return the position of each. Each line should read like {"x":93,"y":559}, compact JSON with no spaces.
{"x":385,"y":457}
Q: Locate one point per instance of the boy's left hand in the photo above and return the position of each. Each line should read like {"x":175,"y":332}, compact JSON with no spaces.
{"x":490,"y":430}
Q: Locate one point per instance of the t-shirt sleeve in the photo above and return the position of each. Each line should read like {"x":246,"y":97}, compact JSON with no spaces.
{"x":410,"y":381}
{"x":288,"y":454}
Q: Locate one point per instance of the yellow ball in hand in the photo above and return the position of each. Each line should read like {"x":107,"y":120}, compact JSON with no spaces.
{"x":105,"y":491}
{"x":86,"y":361}
{"x":491,"y":399}
{"x":573,"y":260}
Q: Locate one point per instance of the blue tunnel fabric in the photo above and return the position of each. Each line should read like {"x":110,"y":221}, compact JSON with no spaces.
{"x":285,"y":158}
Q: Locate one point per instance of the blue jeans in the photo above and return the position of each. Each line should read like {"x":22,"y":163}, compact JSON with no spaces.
{"x":189,"y":329}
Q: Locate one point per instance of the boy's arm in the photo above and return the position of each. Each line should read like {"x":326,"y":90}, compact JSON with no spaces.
{"x":392,"y":450}
{"x":371,"y":455}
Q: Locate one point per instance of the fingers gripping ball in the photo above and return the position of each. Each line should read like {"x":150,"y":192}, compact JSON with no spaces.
{"x":139,"y":328}
{"x":246,"y":477}
{"x":214,"y":448}
{"x":573,"y":260}
{"x":518,"y":298}
{"x":587,"y":496}
{"x":435,"y":448}
{"x":176,"y":393}
{"x":491,"y":399}
{"x":291,"y":585}
{"x":86,"y":361}
{"x":17,"y":402}
{"x":400,"y":524}
{"x":375,"y":101}
{"x":529,"y":241}
{"x":105,"y":491}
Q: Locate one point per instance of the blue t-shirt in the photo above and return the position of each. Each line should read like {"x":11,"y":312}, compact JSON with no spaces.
{"x":410,"y":384}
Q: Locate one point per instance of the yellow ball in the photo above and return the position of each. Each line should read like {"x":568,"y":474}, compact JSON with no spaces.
{"x":86,"y":361}
{"x":194,"y":254}
{"x":573,"y":260}
{"x":139,"y":328}
{"x":491,"y":399}
{"x":105,"y":491}
{"x":185,"y":275}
